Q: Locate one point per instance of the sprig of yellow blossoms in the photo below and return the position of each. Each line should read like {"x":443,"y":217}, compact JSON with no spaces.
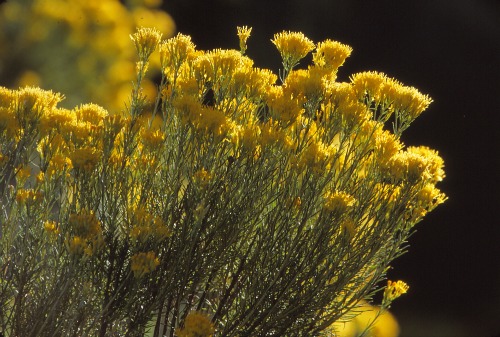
{"x":176,"y":195}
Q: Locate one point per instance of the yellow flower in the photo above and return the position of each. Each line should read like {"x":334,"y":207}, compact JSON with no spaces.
{"x":152,"y":139}
{"x":56,"y":119}
{"x":196,"y":325}
{"x":411,"y":101}
{"x":51,"y":228}
{"x":143,"y":263}
{"x":243,"y":35}
{"x":340,"y":93}
{"x":434,"y":163}
{"x":27,"y":196}
{"x":293,"y":47}
{"x":58,"y":163}
{"x":213,"y":120}
{"x":338,"y":201}
{"x":283,"y":107}
{"x":394,"y":290}
{"x":315,"y":157}
{"x":91,"y":113}
{"x":386,"y":146}
{"x":224,"y":62}
{"x":354,"y":113}
{"x":6,"y":97}
{"x":368,"y":82}
{"x":146,"y":40}
{"x":85,"y":158}
{"x":331,"y":54}
{"x":75,"y":245}
{"x":36,"y":99}
{"x":8,"y":122}
{"x":308,"y":83}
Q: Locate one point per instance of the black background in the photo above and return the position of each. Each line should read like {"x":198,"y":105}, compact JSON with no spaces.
{"x":449,"y":49}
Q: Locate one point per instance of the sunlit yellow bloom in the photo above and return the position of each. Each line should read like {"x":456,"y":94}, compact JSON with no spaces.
{"x":411,"y":101}
{"x":394,"y":290}
{"x":340,"y":94}
{"x":51,"y":228}
{"x":6,"y":97}
{"x":196,"y":325}
{"x":315,"y":157}
{"x":85,"y":158}
{"x":338,"y":201}
{"x":243,"y":35}
{"x":223,"y":62}
{"x":214,"y":121}
{"x":8,"y":122}
{"x":368,"y":82}
{"x":152,"y":139}
{"x":331,"y":54}
{"x":386,"y":146}
{"x":308,"y":83}
{"x":253,"y":82}
{"x":188,"y":107}
{"x":28,"y":195}
{"x":91,"y":113}
{"x":57,"y":119}
{"x":293,"y":47}
{"x":36,"y":99}
{"x":354,"y":113}
{"x":143,"y":263}
{"x":282,"y":107}
{"x":58,"y":163}
{"x":434,"y":163}
{"x":249,"y":136}
{"x":146,"y":40}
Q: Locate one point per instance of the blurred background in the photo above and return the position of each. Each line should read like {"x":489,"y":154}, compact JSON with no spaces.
{"x":447,"y":49}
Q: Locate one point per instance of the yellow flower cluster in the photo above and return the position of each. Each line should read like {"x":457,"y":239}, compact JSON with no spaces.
{"x":331,"y":54}
{"x":143,"y":263}
{"x":28,"y":196}
{"x":146,"y":226}
{"x":51,"y":228}
{"x":196,"y":324}
{"x":224,"y":146}
{"x":394,"y":290}
{"x":386,"y":96}
{"x":293,"y":46}
{"x":243,"y":34}
{"x":86,"y":237}
{"x":338,"y":201}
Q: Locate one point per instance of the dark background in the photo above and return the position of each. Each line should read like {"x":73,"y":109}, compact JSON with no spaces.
{"x":449,"y":49}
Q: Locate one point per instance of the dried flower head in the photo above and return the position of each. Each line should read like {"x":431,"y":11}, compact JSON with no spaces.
{"x":196,"y":324}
